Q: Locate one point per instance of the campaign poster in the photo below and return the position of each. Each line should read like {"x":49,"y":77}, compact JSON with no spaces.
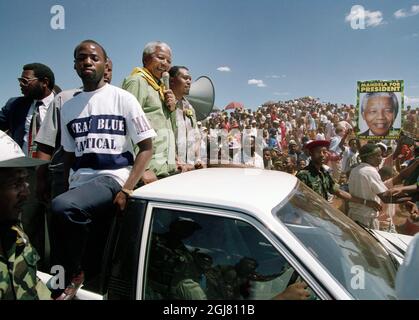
{"x":380,"y":106}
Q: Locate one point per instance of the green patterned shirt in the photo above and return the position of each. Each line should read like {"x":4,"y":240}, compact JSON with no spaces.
{"x":319,"y":181}
{"x":18,"y":259}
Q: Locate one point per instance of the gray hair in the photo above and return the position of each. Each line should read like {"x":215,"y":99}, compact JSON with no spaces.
{"x":394,"y":101}
{"x":151,"y":47}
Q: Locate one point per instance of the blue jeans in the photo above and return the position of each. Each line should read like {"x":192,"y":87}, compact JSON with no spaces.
{"x":75,"y":214}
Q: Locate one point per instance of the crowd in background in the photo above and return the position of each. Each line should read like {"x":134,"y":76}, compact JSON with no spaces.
{"x":279,"y":131}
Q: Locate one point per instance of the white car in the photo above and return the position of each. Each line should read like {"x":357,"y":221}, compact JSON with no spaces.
{"x":235,"y":233}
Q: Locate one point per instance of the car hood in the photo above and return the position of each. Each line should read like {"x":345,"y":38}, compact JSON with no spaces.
{"x":394,"y":242}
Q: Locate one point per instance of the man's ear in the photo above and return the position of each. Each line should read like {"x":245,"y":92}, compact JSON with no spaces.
{"x":45,"y":82}
{"x":146,"y":59}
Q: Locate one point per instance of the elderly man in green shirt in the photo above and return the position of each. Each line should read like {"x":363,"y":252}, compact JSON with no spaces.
{"x":158,"y":102}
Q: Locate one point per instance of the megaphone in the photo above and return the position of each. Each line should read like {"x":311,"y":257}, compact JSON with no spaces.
{"x":201,"y":97}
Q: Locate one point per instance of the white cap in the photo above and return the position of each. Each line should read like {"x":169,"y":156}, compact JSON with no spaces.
{"x":381,"y":144}
{"x":12,"y":156}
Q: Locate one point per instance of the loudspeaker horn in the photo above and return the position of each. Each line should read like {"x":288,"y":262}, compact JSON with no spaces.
{"x":201,"y":97}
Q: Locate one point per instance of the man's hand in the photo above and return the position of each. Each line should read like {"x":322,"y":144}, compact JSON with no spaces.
{"x":296,"y":291}
{"x":411,"y":207}
{"x":149,"y":177}
{"x":199,"y":165}
{"x":121,"y":202}
{"x":170,"y":100}
{"x":396,"y":192}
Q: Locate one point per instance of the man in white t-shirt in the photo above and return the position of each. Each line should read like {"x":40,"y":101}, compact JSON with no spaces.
{"x":350,"y":156}
{"x":99,"y":127}
{"x":365,"y":183}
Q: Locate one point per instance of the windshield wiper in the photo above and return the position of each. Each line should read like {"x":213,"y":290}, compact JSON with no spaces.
{"x":391,"y":254}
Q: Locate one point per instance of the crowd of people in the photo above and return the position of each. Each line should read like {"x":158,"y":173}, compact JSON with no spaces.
{"x":101,"y":142}
{"x":288,"y":136}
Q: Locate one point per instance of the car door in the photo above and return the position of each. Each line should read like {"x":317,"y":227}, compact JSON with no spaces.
{"x":196,"y":253}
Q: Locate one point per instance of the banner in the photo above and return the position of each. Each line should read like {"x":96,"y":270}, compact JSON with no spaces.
{"x":380,"y":104}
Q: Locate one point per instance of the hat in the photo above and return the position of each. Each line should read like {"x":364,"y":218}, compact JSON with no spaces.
{"x":276,"y":121}
{"x":254,"y":121}
{"x":12,"y":156}
{"x":199,"y":123}
{"x":317,"y":143}
{"x":292,"y":142}
{"x":382,"y":145}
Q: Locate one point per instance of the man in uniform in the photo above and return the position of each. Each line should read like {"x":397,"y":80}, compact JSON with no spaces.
{"x":320,"y":181}
{"x":157,"y":102}
{"x":18,"y":259}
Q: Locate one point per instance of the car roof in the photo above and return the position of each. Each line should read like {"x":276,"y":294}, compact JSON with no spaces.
{"x":246,"y":189}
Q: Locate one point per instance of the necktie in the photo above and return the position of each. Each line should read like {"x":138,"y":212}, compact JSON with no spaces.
{"x":33,"y":130}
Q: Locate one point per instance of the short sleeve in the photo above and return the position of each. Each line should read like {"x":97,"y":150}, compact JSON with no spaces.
{"x":49,"y":128}
{"x":377,"y":185}
{"x":67,"y":141}
{"x":138,"y":126}
{"x":137,"y":86}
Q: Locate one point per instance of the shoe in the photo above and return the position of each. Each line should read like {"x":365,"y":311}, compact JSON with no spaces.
{"x":71,"y":290}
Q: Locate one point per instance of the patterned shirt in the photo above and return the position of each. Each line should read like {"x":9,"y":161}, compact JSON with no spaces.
{"x":319,"y":181}
{"x":18,"y":259}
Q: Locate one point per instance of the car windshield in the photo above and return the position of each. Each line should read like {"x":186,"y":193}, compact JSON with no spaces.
{"x":355,"y":258}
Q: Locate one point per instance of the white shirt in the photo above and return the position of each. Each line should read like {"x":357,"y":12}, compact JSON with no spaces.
{"x":320,"y":136}
{"x":365,"y":183}
{"x":349,"y":158}
{"x":334,"y":144}
{"x":43,"y":108}
{"x":100,"y":127}
{"x":186,"y":134}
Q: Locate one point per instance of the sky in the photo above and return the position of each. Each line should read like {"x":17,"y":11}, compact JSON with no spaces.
{"x":253,"y":50}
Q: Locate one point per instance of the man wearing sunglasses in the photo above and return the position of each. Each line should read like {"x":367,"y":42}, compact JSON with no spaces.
{"x":21,"y":118}
{"x":36,"y":84}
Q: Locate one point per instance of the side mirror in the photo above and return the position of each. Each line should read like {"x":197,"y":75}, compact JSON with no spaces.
{"x":407,"y":280}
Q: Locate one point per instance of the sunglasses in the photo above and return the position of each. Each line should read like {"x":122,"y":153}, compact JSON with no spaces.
{"x":26,"y":81}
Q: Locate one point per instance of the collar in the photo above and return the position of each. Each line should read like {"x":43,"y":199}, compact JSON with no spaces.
{"x":183,"y":103}
{"x":151,"y":80}
{"x":311,"y":167}
{"x":47,"y":100}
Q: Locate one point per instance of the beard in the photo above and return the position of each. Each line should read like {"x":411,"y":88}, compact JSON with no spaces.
{"x":36,"y":93}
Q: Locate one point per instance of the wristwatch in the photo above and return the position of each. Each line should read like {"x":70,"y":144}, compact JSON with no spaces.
{"x":128,"y":192}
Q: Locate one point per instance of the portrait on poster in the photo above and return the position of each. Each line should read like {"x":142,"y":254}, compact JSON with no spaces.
{"x":379,"y":109}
